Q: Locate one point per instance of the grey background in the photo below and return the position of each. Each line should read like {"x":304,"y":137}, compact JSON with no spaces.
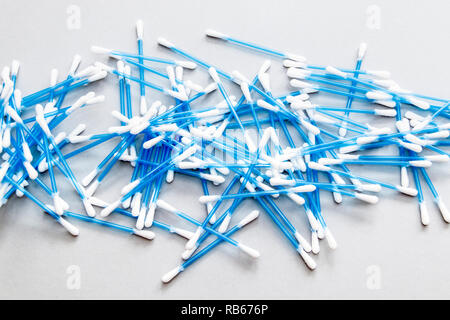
{"x":35,"y":252}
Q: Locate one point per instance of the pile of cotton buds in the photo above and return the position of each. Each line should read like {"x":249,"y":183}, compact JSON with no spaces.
{"x":264,"y":161}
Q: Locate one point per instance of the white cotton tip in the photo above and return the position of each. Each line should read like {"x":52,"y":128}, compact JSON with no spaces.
{"x":100,"y":50}
{"x":90,"y":176}
{"x":312,"y":220}
{"x":171,"y":74}
{"x":275,"y":181}
{"x":304,"y":188}
{"x":404,"y":178}
{"x":130,"y":186}
{"x":143,"y":106}
{"x":444,"y":211}
{"x":295,"y":57}
{"x":337,"y":178}
{"x":386,"y":103}
{"x":293,"y":64}
{"x":246,"y":92}
{"x":240,"y":77}
{"x":210,"y":198}
{"x":27,"y":152}
{"x":299,"y":97}
{"x":438,"y":158}
{"x":53,"y":77}
{"x":380,"y":74}
{"x":337,"y":197}
{"x":147,"y":234}
{"x":336,"y":72}
{"x":249,"y":218}
{"x":330,"y":161}
{"x":366,"y":140}
{"x":307,"y":259}
{"x":92,"y":188}
{"x":32,"y":173}
{"x":300,"y":84}
{"x":330,"y":238}
{"x":75,"y":64}
{"x":98,"y":202}
{"x":188,"y":253}
{"x":343,"y":130}
{"x":166,"y":278}
{"x":315,"y":246}
{"x":419,"y":103}
{"x":225,"y":223}
{"x":78,"y":139}
{"x":366,"y":198}
{"x":249,"y":142}
{"x":141,"y":218}
{"x":215,"y":34}
{"x":362,"y":50}
{"x":406,"y":190}
{"x":264,"y":67}
{"x":414,"y":139}
{"x":210,"y":88}
{"x":140,"y":29}
{"x":413,"y":116}
{"x":348,"y":149}
{"x":109,"y":209}
{"x":136,"y":204}
{"x":6,"y":73}
{"x":296,"y":198}
{"x":69,"y":227}
{"x":96,"y":99}
{"x":370,"y":187}
{"x":186,"y":64}
{"x":43,"y":166}
{"x":250,"y":251}
{"x":385,"y":113}
{"x":316,"y":166}
{"x":13,"y":114}
{"x":98,"y":76}
{"x":191,"y":244}
{"x":59,"y":204}
{"x":216,"y":179}
{"x":264,"y":79}
{"x":15,"y":65}
{"x":88,"y":207}
{"x":378,"y":95}
{"x":264,"y":104}
{"x":3,"y":170}
{"x":152,"y":142}
{"x":411,"y":146}
{"x":193,"y":86}
{"x":126,"y":203}
{"x":311,"y":128}
{"x":7,"y":90}
{"x":213,"y":73}
{"x":443,"y":134}
{"x":303,"y":242}
{"x":165,"y":206}
{"x":90,"y":70}
{"x":179,"y":73}
{"x":420,"y":163}
{"x":424,"y":216}
{"x":150,"y":215}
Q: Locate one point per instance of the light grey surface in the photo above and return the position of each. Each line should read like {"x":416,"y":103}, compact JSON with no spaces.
{"x":413,"y":261}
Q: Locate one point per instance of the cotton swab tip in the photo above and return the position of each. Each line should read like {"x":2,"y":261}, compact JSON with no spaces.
{"x":215,"y":34}
{"x":166,"y":278}
{"x":69,"y":227}
{"x":250,"y":251}
{"x":146,"y":234}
